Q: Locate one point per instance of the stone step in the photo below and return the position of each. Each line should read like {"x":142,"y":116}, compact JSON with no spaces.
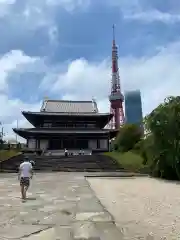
{"x":78,"y":170}
{"x":72,"y":163}
{"x":81,"y":163}
{"x":76,"y":164}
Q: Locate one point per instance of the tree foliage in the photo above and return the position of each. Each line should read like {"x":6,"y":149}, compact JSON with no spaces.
{"x":163,"y":125}
{"x":127,"y":137}
{"x":160,"y":147}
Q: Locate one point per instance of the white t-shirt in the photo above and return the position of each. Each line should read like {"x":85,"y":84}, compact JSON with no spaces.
{"x":25,"y":169}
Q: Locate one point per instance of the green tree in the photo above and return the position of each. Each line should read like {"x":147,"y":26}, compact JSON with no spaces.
{"x":127,"y":137}
{"x":163,"y":123}
{"x":145,"y":148}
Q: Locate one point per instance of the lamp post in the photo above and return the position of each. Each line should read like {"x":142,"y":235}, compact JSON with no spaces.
{"x":17,"y":123}
{"x":2,"y":132}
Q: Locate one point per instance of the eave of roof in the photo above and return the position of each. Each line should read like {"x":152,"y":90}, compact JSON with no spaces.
{"x":56,"y":130}
{"x":93,"y":114}
{"x":26,"y":133}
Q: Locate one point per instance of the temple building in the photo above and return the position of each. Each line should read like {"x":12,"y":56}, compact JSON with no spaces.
{"x":64,"y":124}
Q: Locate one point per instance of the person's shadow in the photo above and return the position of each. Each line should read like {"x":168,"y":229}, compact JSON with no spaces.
{"x":31,"y":198}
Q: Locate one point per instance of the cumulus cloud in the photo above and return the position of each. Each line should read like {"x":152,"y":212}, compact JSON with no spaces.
{"x":152,"y":16}
{"x":148,"y":11}
{"x":156,"y":76}
{"x":5,"y":7}
{"x":80,"y":74}
{"x":11,"y":114}
{"x":69,"y":5}
{"x":32,"y":14}
{"x":12,"y":61}
{"x":11,"y":108}
{"x":34,"y":25}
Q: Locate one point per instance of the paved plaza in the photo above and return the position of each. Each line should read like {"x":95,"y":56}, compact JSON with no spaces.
{"x":68,"y":206}
{"x":59,"y":206}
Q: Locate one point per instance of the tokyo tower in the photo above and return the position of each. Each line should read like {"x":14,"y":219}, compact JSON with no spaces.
{"x":116,"y":98}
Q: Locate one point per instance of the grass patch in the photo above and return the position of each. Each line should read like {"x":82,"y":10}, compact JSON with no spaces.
{"x":128,"y":160}
{"x":6,"y":154}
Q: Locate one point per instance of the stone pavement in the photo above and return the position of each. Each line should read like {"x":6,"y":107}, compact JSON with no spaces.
{"x":59,"y":206}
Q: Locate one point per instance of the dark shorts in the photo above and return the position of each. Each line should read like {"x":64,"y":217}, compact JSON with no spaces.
{"x":24,"y":181}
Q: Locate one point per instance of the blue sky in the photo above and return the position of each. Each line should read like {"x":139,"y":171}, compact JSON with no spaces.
{"x":62,"y":49}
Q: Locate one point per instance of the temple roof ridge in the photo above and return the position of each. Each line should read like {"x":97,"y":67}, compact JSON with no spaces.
{"x":69,"y":106}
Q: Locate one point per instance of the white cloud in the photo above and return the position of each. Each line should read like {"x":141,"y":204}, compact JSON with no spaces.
{"x":126,"y":5}
{"x":156,"y":76}
{"x":11,"y":113}
{"x":32,"y":15}
{"x":12,"y":61}
{"x":69,"y":5}
{"x":147,"y":11}
{"x":5,"y":7}
{"x":82,"y":75}
{"x":153,"y":15}
{"x":11,"y":108}
{"x":7,"y":2}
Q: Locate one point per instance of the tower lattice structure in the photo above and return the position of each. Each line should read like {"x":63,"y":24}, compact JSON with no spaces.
{"x":116,"y":97}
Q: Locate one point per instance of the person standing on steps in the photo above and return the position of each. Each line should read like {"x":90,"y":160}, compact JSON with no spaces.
{"x":32,"y":163}
{"x":24,"y":176}
{"x":65,"y":152}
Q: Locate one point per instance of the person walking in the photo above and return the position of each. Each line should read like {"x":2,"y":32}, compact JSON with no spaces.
{"x":24,"y":176}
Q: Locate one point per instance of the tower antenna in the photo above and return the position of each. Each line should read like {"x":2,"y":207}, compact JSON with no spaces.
{"x":113,"y":32}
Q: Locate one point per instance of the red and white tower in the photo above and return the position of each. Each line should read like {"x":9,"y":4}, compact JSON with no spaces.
{"x":116,"y":98}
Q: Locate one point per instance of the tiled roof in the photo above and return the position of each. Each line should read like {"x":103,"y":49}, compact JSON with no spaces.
{"x":63,"y":106}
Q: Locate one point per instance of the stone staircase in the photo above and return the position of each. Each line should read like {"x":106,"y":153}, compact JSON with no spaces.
{"x":82,"y":163}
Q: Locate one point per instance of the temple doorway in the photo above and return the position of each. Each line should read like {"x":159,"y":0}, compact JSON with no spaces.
{"x":68,"y":143}
{"x":54,"y":144}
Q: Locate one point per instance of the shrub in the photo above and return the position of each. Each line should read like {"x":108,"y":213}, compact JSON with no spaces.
{"x":127,"y":137}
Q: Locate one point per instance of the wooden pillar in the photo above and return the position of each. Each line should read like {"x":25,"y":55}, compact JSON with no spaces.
{"x":74,"y":142}
{"x":62,"y":143}
{"x":36,"y":143}
{"x":60,"y":140}
{"x":98,"y":143}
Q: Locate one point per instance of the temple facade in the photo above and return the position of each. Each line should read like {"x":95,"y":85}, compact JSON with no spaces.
{"x":64,"y":124}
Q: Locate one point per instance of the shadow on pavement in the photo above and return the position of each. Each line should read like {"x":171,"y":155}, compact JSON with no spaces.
{"x":30,"y":198}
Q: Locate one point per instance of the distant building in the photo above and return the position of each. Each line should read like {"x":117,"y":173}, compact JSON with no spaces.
{"x":133,"y":107}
